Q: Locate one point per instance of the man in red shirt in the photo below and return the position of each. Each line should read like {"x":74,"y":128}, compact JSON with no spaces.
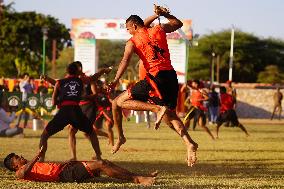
{"x":160,"y":86}
{"x":72,"y":171}
{"x":227,"y":112}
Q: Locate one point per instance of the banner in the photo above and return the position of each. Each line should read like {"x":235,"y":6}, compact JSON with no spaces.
{"x":14,"y":99}
{"x":47,"y":103}
{"x":33,"y":101}
{"x":85,"y":52}
{"x":178,"y":52}
{"x":115,"y":29}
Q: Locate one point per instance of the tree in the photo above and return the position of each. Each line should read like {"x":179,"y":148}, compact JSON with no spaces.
{"x":110,"y":54}
{"x":21,"y":41}
{"x":251,"y":56}
{"x":271,"y":74}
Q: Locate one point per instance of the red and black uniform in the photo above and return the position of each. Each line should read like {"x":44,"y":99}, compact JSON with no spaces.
{"x":56,"y":172}
{"x":227,"y":112}
{"x":160,"y":85}
{"x":196,"y":100}
{"x":88,"y":106}
{"x":104,"y":108}
{"x":69,"y":96}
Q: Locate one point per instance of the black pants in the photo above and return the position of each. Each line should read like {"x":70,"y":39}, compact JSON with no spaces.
{"x":69,"y":115}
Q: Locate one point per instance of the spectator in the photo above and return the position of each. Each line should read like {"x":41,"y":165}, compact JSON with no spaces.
{"x":26,"y":87}
{"x":277,"y":97}
{"x":42,"y":89}
{"x":213,"y":105}
{"x":16,"y":87}
{"x":3,"y":86}
{"x":6,"y":120}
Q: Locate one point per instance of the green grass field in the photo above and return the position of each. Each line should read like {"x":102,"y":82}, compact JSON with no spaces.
{"x":232,"y":161}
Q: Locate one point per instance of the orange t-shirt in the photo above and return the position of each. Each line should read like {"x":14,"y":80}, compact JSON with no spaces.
{"x":45,"y":172}
{"x":142,"y":71}
{"x":195,"y":99}
{"x":151,"y":46}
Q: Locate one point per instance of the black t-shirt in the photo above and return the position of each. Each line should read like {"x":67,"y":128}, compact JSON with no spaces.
{"x":70,"y":89}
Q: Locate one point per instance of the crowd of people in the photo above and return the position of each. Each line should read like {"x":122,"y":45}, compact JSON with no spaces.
{"x":84,"y":101}
{"x":204,"y":103}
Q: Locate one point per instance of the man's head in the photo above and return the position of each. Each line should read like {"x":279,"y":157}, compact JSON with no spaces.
{"x":72,"y":69}
{"x":195,"y":83}
{"x":223,"y":89}
{"x":133,"y":23}
{"x":79,"y":65}
{"x":229,"y":83}
{"x":26,"y":76}
{"x":13,"y":162}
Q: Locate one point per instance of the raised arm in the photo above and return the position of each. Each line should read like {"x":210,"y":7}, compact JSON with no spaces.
{"x":173,"y":23}
{"x":149,"y":20}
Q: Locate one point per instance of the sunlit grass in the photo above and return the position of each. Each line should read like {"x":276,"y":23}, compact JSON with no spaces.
{"x":233,"y":161}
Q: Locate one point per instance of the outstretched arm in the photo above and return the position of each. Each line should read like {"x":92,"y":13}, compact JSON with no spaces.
{"x":28,"y":167}
{"x":96,"y":76}
{"x":48,"y":79}
{"x":129,"y":49}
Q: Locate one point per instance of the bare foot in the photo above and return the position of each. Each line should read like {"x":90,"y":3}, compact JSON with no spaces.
{"x":160,"y":115}
{"x":154,"y":174}
{"x":191,"y":155}
{"x":73,"y":159}
{"x":96,"y":157}
{"x":146,"y":181}
{"x":117,"y":145}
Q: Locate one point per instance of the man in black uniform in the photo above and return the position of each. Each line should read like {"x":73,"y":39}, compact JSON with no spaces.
{"x":104,"y":110}
{"x":67,"y":95}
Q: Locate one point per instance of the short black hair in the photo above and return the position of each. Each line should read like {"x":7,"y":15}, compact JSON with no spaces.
{"x":72,"y":68}
{"x":196,"y":81}
{"x":78,"y":63}
{"x":135,"y":19}
{"x":8,"y":162}
{"x":223,"y":89}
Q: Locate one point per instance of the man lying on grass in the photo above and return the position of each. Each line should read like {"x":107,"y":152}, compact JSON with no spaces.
{"x":72,"y":171}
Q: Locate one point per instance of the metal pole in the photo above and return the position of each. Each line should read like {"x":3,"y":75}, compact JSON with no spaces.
{"x":44,"y":37}
{"x":231,"y":56}
{"x":43,"y":55}
{"x":53,"y":58}
{"x":218,"y":69}
{"x":212,"y":68}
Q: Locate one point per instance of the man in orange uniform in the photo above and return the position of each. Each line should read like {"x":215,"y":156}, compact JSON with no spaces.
{"x":160,"y":86}
{"x":197,"y":98}
{"x":227,"y":112}
{"x":72,"y":171}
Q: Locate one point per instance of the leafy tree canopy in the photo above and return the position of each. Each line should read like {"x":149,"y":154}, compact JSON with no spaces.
{"x":252,"y":55}
{"x":21,"y":41}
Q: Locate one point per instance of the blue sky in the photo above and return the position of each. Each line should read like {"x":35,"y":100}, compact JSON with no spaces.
{"x":263,"y":18}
